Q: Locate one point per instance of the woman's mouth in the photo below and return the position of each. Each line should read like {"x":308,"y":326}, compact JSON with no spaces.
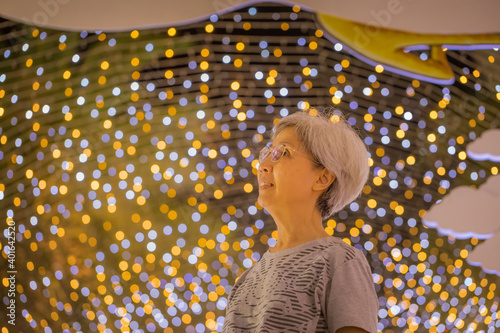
{"x":264,"y":185}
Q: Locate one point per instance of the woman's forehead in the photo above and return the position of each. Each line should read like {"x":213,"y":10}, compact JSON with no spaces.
{"x":287,"y":136}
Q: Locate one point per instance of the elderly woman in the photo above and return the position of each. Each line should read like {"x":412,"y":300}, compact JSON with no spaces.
{"x":310,"y":281}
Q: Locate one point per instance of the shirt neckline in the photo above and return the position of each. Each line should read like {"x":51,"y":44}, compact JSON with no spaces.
{"x":323,"y":240}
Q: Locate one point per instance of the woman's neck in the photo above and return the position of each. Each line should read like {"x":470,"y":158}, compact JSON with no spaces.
{"x":297,"y":231}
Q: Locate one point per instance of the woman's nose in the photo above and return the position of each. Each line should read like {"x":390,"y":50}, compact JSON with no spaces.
{"x":265,"y":166}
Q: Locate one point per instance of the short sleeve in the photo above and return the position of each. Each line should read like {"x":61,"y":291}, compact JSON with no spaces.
{"x":351,"y":299}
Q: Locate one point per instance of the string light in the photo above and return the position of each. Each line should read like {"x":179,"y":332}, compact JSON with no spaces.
{"x":131,"y":178}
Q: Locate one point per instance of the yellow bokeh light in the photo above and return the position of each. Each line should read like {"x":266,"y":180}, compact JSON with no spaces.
{"x":169,"y":74}
{"x":147,"y":224}
{"x":235,"y":85}
{"x":86,"y":219}
{"x":186,"y":318}
{"x":410,"y":160}
{"x":199,"y":188}
{"x":172,"y":215}
{"x":218,"y":194}
{"x":74,"y":284}
{"x":204,"y":88}
{"x":120,"y":235}
{"x":123,"y":265}
{"x":94,"y":185}
{"x":212,"y":153}
{"x":169,"y":53}
{"x":63,"y":189}
{"x":377,"y":181}
{"x":241,"y":116}
{"x":141,"y":200}
{"x":237,"y":104}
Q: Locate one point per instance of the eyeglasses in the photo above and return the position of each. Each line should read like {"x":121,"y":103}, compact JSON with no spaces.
{"x":277,"y":153}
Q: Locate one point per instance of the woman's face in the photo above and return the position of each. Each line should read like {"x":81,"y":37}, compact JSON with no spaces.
{"x":292,"y":176}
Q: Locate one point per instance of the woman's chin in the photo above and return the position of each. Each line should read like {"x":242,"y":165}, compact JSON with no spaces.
{"x":267,"y":204}
{"x":262,"y":201}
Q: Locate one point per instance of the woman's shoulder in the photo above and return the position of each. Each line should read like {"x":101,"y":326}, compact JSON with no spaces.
{"x":336,"y":252}
{"x":327,"y":251}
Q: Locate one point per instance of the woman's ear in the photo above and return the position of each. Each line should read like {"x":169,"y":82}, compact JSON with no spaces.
{"x":324,"y":180}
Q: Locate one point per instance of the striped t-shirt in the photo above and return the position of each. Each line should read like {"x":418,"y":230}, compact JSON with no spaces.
{"x":319,"y":286}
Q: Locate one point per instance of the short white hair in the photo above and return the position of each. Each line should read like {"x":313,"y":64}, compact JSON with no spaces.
{"x":335,"y":145}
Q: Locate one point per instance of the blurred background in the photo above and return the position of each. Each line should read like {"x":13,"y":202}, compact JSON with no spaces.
{"x":128,"y":155}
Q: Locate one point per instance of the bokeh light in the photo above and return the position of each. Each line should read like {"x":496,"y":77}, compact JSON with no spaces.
{"x":128,"y":165}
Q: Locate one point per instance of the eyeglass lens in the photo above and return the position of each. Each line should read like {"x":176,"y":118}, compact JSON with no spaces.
{"x":276,"y":153}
